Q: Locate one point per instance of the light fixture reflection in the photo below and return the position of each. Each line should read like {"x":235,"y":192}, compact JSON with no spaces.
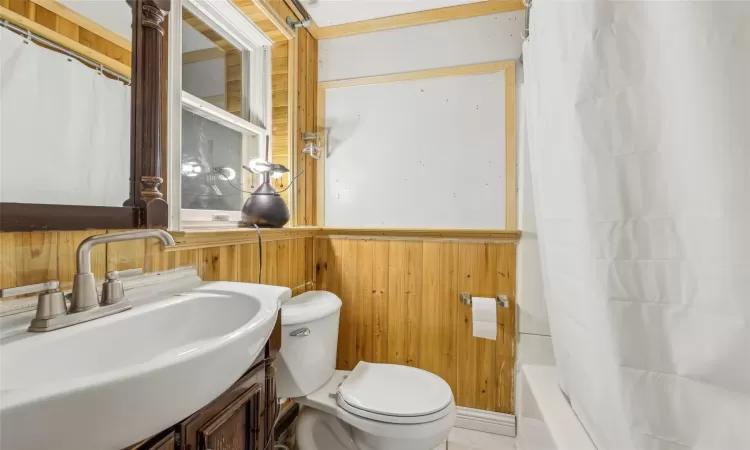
{"x":191,"y":169}
{"x":227,"y":173}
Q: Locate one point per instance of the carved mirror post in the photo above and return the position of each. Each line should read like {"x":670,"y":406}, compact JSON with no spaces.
{"x":145,"y":181}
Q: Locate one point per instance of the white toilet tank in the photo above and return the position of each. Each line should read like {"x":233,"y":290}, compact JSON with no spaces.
{"x":309,"y":336}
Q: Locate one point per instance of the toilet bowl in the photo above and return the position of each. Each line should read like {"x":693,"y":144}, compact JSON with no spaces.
{"x":373,"y":407}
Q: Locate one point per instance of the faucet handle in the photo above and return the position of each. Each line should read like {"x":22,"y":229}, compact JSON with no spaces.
{"x":52,"y":285}
{"x":112,"y":289}
{"x":51,"y":305}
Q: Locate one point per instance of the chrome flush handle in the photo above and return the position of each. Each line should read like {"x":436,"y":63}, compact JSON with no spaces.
{"x":302,"y":332}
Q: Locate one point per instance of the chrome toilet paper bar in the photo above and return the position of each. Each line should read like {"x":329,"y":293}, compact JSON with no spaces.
{"x":502,"y":300}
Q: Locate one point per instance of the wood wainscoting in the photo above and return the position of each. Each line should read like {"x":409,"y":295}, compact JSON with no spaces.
{"x":401,"y":306}
{"x":400,"y":288}
{"x":36,"y":257}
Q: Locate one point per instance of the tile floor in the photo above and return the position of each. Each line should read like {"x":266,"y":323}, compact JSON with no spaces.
{"x":462,"y":439}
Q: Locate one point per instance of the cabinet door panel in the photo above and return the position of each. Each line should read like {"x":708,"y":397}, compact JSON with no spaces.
{"x":232,"y":428}
{"x":190,"y":427}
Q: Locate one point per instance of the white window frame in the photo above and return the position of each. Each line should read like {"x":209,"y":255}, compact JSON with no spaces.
{"x":224,"y":17}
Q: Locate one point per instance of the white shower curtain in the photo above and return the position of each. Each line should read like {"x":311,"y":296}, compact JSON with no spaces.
{"x":639,"y":134}
{"x":64,"y":129}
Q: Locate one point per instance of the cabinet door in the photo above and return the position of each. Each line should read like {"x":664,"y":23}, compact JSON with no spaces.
{"x":189,"y":429}
{"x":271,"y":408}
{"x":235,"y":427}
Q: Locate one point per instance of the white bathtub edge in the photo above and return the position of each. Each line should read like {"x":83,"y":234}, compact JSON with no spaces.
{"x":565,"y":429}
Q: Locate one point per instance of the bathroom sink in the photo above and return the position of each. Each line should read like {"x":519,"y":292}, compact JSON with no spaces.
{"x":108,"y":383}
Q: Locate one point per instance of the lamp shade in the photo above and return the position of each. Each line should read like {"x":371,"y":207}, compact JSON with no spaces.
{"x":265,"y":207}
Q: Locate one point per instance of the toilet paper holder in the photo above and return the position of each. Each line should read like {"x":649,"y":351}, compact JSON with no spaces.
{"x":502,"y":300}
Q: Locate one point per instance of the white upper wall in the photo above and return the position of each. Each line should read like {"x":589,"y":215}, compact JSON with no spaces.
{"x":335,"y":12}
{"x":475,"y":40}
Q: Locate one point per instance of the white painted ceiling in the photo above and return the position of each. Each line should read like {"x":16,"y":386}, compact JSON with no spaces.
{"x":337,"y":12}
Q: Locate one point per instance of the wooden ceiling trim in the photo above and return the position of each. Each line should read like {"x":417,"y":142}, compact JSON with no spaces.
{"x":417,"y":18}
{"x":65,"y":41}
{"x":84,"y":22}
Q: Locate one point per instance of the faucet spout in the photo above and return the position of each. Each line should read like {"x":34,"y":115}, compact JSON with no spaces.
{"x":84,"y":295}
{"x":83,"y":255}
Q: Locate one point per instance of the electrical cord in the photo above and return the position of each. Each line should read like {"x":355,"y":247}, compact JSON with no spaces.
{"x":290,"y":183}
{"x":248,"y":192}
{"x":221,"y":174}
{"x":260,"y":253}
{"x":260,"y":239}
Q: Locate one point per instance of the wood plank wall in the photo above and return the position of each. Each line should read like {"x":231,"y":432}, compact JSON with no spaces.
{"x":233,"y":85}
{"x":280,"y":115}
{"x":305,"y":58}
{"x":307,"y":106}
{"x":401,"y":306}
{"x":87,"y":37}
{"x":30,"y":258}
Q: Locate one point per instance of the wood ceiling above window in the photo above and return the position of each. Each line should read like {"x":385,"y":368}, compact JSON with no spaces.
{"x":206,"y":31}
{"x":265,"y":14}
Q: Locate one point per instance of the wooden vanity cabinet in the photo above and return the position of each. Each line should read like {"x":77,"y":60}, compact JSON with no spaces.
{"x":164,"y":441}
{"x":240,"y":419}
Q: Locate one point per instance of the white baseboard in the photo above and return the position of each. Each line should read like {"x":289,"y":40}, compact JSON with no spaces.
{"x":486,"y":421}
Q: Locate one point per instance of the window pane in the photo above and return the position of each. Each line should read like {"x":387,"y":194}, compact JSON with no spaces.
{"x":211,"y":65}
{"x":212,"y":159}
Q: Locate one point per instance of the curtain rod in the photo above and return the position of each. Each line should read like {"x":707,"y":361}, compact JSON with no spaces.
{"x":305,"y":15}
{"x":31,"y":35}
{"x":527,"y":19}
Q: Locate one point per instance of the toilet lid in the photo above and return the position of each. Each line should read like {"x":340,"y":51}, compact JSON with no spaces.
{"x":395,"y":394}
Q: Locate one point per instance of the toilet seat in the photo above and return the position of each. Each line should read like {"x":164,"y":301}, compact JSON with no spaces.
{"x":397,"y":436}
{"x":394,"y":394}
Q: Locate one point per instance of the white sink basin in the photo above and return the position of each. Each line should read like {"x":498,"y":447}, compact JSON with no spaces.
{"x":108,"y":383}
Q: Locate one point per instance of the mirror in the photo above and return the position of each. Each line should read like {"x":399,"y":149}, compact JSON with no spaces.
{"x":65,"y":115}
{"x":73,"y":98}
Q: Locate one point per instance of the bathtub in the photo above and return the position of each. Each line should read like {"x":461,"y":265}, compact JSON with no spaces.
{"x":545,"y":419}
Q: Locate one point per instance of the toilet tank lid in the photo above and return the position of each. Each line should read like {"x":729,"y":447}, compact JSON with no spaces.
{"x":312,"y":305}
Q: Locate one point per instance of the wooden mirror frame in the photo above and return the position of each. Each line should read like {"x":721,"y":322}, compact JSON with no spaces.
{"x":146,"y":207}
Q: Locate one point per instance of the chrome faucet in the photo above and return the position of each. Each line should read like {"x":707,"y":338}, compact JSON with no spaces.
{"x":52,"y":312}
{"x":84,"y":287}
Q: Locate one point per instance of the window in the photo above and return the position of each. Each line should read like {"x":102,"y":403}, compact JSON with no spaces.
{"x":219,"y":112}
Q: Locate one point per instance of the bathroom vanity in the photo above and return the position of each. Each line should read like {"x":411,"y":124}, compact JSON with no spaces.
{"x":190,"y":366}
{"x":241,"y":418}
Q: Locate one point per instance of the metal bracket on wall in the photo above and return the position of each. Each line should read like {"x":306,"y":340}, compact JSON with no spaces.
{"x":313,"y":144}
{"x":502,"y":300}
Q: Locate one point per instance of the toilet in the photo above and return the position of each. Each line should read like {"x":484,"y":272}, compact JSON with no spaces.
{"x":373,"y":407}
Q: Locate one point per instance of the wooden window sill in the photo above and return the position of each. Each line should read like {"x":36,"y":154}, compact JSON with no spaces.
{"x":425,"y":234}
{"x":189,"y":240}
